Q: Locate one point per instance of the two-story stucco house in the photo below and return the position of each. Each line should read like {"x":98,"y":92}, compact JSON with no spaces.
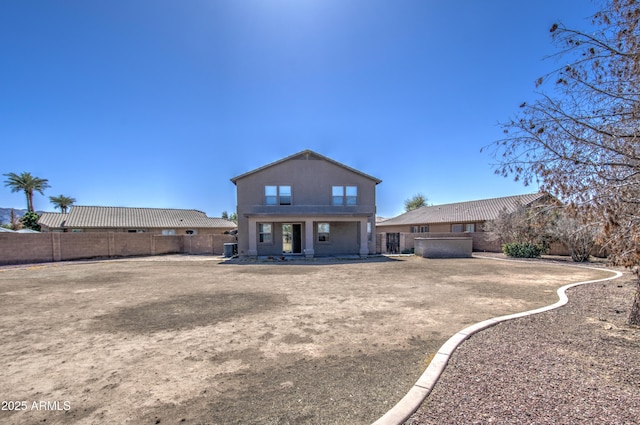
{"x":306,"y":204}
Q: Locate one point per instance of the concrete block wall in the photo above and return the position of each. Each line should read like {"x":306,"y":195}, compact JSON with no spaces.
{"x":444,"y":247}
{"x":14,"y":247}
{"x":481,"y":243}
{"x":21,"y":248}
{"x":79,"y":245}
{"x":169,"y":245}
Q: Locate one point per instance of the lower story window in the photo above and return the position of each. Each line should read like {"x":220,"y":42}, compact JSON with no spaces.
{"x":323,"y":232}
{"x":419,"y":229}
{"x":470,"y":227}
{"x":168,"y":232}
{"x":264,"y":231}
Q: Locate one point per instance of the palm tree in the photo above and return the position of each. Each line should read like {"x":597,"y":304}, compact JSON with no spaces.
{"x":27,"y":183}
{"x":62,"y":202}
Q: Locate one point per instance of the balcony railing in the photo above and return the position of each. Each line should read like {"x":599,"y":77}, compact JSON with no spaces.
{"x":308,"y":210}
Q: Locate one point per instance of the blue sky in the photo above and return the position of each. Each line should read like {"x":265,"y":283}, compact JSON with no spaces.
{"x":156,"y":103}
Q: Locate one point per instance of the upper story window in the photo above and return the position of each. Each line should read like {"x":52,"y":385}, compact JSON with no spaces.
{"x":277,"y":195}
{"x":285,"y":195}
{"x":344,"y":195}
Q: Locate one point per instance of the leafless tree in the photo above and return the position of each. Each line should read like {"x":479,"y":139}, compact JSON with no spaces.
{"x":578,"y":237}
{"x":580,"y":140}
{"x":526,"y":224}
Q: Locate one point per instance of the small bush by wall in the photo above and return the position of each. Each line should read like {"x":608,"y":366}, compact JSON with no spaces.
{"x":523,"y":250}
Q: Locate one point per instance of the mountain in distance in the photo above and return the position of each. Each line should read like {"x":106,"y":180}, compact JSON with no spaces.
{"x":5,"y":214}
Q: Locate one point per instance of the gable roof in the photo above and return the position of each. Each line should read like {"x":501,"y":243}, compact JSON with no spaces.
{"x":305,"y":154}
{"x":115,"y":217}
{"x":463,"y":212}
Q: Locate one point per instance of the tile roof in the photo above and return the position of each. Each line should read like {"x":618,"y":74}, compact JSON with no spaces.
{"x":115,"y":217}
{"x":461,"y":212}
{"x":306,"y":154}
{"x":52,"y":219}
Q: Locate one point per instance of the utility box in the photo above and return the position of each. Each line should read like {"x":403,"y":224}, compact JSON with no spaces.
{"x":230,"y":249}
{"x":444,"y":247}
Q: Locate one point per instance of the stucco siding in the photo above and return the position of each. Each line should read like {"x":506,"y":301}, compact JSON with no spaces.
{"x":341,"y":239}
{"x":311,"y":179}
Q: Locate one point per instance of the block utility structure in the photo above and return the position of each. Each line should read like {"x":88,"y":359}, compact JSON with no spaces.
{"x":306,"y":204}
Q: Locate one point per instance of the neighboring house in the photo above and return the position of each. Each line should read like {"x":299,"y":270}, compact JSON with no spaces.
{"x":306,"y":204}
{"x":162,"y":221}
{"x":53,"y":222}
{"x":459,"y":217}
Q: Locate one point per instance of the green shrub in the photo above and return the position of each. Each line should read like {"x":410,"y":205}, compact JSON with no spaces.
{"x":523,"y":250}
{"x":30,"y":221}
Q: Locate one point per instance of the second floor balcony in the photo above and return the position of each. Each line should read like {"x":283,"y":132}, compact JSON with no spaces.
{"x":307,"y":210}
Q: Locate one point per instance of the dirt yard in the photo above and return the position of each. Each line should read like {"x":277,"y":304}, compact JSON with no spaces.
{"x":190,"y":340}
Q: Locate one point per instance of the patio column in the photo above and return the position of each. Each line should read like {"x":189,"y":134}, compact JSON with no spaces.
{"x":308,"y":239}
{"x":364,"y":240}
{"x":253,"y":238}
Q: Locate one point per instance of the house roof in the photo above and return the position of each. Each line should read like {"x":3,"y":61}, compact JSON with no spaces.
{"x":305,"y":154}
{"x":115,"y":217}
{"x":461,"y":212}
{"x":52,"y":219}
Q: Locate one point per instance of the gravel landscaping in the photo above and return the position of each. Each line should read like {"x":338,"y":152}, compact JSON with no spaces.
{"x":579,"y":364}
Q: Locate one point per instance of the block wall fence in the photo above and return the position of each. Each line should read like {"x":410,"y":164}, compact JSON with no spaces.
{"x":481,"y":242}
{"x":23,"y":248}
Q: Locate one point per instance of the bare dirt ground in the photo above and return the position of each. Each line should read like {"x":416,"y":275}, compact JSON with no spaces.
{"x":190,"y":340}
{"x":578,"y":364}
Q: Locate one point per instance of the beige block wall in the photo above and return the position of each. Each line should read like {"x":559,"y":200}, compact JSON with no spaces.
{"x":152,"y":231}
{"x":407,"y":240}
{"x":444,"y":247}
{"x":17,"y":248}
{"x":82,"y":245}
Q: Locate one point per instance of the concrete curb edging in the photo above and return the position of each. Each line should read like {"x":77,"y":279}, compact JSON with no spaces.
{"x":399,"y":413}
